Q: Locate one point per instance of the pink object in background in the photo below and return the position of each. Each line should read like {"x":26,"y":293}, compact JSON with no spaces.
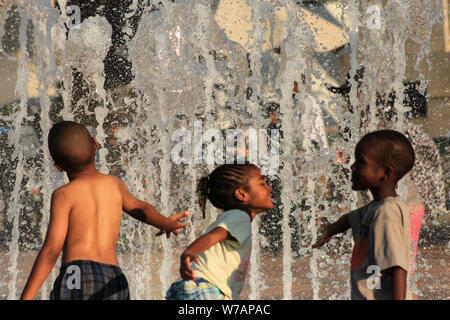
{"x":416,"y":214}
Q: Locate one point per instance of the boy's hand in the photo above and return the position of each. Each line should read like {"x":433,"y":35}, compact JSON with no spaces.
{"x":324,"y":239}
{"x":186,"y":272}
{"x":174,"y":225}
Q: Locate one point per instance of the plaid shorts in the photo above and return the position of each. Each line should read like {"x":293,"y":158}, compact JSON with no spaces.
{"x":89,"y":280}
{"x":199,"y":289}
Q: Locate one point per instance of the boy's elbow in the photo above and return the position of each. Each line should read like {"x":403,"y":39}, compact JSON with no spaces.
{"x":139,"y":213}
{"x":50,"y":253}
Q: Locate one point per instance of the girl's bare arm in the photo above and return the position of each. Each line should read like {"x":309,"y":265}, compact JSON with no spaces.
{"x":198,"y":246}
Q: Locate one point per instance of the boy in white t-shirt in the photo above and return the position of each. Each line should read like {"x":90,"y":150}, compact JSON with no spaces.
{"x":381,"y":229}
{"x":214,"y":266}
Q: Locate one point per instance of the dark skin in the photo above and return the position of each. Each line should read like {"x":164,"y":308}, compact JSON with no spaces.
{"x":381,"y":180}
{"x":85,"y":218}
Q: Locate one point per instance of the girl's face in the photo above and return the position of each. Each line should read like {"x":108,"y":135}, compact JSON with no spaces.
{"x":258,"y":193}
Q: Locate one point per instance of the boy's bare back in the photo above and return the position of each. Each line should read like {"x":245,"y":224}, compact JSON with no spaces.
{"x":85,"y":215}
{"x":91,"y":210}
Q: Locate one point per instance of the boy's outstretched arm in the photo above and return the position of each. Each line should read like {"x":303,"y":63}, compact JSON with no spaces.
{"x":145,"y":212}
{"x":53,"y":244}
{"x":198,"y":246}
{"x":340,"y":226}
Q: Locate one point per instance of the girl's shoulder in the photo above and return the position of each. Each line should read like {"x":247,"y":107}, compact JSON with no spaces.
{"x":236,"y":222}
{"x":234,"y":214}
{"x":231,"y":218}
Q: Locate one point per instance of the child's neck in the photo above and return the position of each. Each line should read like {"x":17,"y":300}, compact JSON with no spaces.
{"x":86,"y":172}
{"x":251,"y":212}
{"x":383,"y":193}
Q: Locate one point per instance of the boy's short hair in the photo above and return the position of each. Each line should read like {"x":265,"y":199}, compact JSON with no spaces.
{"x":71,"y":146}
{"x":392,"y":148}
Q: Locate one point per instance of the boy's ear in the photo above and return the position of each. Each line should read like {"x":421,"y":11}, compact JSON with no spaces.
{"x":387,"y":174}
{"x":240,"y":194}
{"x":95,"y":143}
{"x":58,"y":167}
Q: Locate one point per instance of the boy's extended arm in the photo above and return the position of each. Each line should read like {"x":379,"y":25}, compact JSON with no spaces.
{"x":340,"y":226}
{"x":54,"y":241}
{"x":146,"y":213}
{"x":198,"y":246}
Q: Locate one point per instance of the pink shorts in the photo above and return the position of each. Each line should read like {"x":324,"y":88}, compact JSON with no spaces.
{"x":416,"y":214}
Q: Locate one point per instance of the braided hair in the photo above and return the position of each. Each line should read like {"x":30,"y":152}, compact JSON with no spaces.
{"x":220,"y":185}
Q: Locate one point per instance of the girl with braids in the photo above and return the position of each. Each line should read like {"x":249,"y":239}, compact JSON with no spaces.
{"x":214,"y":266}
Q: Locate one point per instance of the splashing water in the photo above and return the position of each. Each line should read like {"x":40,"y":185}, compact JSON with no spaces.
{"x":138,"y":72}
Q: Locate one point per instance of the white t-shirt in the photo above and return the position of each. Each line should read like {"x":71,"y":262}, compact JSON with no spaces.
{"x":225,"y":263}
{"x":381,"y":231}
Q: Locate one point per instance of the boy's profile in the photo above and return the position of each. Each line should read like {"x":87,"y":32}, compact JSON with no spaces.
{"x":85,"y":217}
{"x":381,"y":229}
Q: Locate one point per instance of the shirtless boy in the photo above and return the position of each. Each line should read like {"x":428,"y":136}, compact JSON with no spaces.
{"x":85,"y":217}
